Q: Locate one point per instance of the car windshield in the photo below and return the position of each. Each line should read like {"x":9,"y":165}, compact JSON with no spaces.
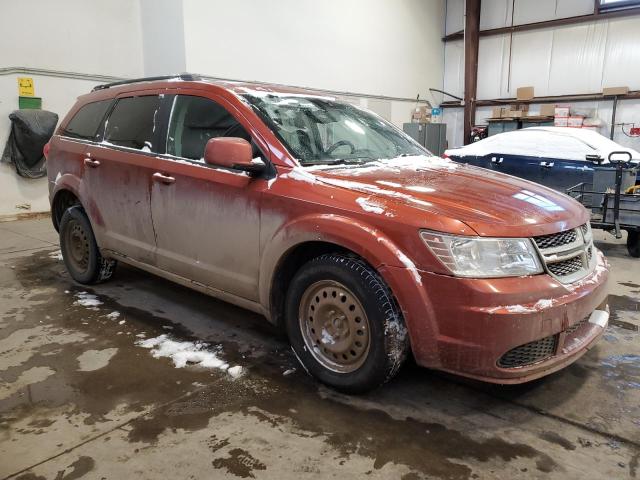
{"x":320,"y":130}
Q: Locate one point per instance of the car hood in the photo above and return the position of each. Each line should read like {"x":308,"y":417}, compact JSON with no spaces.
{"x":491,"y":203}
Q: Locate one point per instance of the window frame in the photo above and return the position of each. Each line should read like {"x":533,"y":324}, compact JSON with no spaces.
{"x":170,"y":104}
{"x":157,"y":133}
{"x":97,"y":136}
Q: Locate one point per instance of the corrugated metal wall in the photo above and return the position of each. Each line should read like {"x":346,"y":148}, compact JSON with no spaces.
{"x":570,"y":59}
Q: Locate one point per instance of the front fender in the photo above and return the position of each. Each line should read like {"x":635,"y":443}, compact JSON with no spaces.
{"x":370,"y":243}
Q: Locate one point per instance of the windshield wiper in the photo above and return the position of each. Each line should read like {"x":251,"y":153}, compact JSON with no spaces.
{"x":340,"y":161}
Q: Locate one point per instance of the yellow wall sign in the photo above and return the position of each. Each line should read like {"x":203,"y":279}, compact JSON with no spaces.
{"x":25,"y":87}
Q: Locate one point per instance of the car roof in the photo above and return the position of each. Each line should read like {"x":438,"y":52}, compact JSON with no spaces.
{"x":238,"y":87}
{"x":511,"y":142}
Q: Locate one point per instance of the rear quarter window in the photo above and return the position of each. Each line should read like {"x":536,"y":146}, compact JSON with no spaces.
{"x":133,"y":122}
{"x":87,"y":121}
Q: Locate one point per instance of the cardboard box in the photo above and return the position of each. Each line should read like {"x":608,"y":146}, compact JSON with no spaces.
{"x":561,"y":111}
{"x":524,"y":93}
{"x":520,"y":107}
{"x":561,"y":122}
{"x":612,"y":91}
{"x":500,"y":112}
{"x":547,"y":110}
{"x":575,"y":121}
{"x":421,"y":114}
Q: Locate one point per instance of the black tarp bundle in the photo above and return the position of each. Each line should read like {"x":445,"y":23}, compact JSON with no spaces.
{"x":30,"y":131}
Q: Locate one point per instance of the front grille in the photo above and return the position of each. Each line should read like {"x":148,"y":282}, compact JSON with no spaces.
{"x":556,"y":239}
{"x":566,"y":267}
{"x":584,"y":229}
{"x":566,"y":255}
{"x":576,"y":326}
{"x":529,"y":353}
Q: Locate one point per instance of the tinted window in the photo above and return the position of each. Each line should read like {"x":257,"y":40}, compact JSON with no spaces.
{"x":133,"y":122}
{"x":87,"y":120}
{"x":194,"y":120}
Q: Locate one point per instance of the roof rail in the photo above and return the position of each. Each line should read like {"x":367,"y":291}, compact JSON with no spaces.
{"x":188,"y":77}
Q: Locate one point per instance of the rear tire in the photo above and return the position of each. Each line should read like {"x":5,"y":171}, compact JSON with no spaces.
{"x":344,"y":324}
{"x":80,"y":251}
{"x":633,"y":243}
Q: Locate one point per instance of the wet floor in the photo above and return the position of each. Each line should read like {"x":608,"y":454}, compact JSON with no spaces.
{"x":142,"y":378}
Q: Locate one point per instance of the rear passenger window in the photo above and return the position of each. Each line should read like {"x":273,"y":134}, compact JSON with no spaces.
{"x":133,"y":122}
{"x":86,"y":122}
{"x":194,"y":120}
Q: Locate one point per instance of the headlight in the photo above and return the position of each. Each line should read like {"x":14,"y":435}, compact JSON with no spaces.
{"x":484,"y":257}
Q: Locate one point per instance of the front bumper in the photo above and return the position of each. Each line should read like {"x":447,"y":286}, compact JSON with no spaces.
{"x":467,"y":326}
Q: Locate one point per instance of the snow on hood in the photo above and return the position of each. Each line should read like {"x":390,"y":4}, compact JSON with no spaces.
{"x":545,"y":142}
{"x":486,"y":201}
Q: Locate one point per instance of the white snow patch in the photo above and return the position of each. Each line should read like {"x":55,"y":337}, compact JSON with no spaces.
{"x":326,"y":338}
{"x":183,"y":353}
{"x":56,"y":254}
{"x":113,"y":315}
{"x":289,"y":372}
{"x":545,"y":142}
{"x":87,"y":300}
{"x":543,"y":303}
{"x":236,"y":371}
{"x":369,"y":205}
{"x":389,"y":184}
{"x":298,"y":173}
{"x":121,"y":322}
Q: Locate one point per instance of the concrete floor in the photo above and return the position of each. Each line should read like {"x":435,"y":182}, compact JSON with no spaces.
{"x":79,"y":398}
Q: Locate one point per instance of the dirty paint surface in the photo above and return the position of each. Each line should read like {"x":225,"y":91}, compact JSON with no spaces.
{"x":80,"y":397}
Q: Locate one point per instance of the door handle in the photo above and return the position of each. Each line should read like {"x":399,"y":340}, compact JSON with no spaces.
{"x":159,"y":177}
{"x":546,"y":164}
{"x":91,"y":163}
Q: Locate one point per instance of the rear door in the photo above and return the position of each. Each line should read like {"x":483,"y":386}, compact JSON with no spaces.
{"x":118,"y":174}
{"x":570,"y":166}
{"x":206,"y":219}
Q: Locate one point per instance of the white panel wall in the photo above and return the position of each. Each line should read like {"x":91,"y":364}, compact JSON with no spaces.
{"x":163,"y":37}
{"x":100,"y":37}
{"x":94,"y":37}
{"x":379,"y":47}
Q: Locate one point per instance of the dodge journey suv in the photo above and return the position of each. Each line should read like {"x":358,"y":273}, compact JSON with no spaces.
{"x":331,"y":223}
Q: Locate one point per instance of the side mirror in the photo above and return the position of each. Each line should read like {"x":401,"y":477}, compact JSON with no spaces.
{"x":593,"y":157}
{"x":234,"y":153}
{"x":620,"y":157}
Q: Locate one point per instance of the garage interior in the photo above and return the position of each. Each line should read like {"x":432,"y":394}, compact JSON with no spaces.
{"x":83,"y":396}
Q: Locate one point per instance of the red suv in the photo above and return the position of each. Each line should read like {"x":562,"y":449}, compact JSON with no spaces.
{"x":331,"y":223}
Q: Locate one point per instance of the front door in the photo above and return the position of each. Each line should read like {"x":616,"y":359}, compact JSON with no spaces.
{"x":118,"y":173}
{"x":206,"y":219}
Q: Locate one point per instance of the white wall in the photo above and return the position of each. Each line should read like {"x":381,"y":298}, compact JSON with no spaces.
{"x":163,"y":37}
{"x":88,"y":37}
{"x":378,"y":47}
{"x":572,"y":59}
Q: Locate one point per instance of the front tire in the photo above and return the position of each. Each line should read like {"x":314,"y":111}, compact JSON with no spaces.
{"x":344,"y":324}
{"x":633,"y":243}
{"x":80,"y":251}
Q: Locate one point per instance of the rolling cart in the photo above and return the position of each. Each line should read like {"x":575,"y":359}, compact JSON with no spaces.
{"x":612,"y":208}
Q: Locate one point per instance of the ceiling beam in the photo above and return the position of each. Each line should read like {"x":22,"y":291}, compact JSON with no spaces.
{"x":549,"y":23}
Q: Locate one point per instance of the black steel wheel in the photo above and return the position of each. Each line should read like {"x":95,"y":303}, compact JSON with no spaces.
{"x":80,"y":251}
{"x":344,"y":324}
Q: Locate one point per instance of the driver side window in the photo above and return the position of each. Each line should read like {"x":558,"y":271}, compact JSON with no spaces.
{"x":195,"y":120}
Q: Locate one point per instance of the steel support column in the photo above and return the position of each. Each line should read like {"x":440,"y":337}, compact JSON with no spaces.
{"x":471,"y":43}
